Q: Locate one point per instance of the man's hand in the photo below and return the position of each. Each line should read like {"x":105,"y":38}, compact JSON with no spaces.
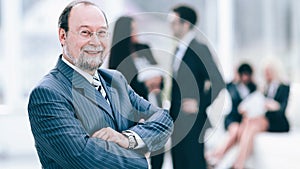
{"x":110,"y":134}
{"x":153,"y":84}
{"x":190,"y":106}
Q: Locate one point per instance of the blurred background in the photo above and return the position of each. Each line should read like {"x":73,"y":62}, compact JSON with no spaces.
{"x":237,"y":30}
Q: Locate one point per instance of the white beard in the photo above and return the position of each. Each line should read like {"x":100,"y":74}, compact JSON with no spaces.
{"x":85,"y":63}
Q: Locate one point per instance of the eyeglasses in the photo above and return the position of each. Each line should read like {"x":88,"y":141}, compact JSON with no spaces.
{"x":87,"y":35}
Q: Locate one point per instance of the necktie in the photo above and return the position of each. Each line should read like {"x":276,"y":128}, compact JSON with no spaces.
{"x":97,"y":84}
{"x":176,"y":62}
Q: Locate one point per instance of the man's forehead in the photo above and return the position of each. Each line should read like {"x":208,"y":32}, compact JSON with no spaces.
{"x":83,"y":9}
{"x":87,"y":14}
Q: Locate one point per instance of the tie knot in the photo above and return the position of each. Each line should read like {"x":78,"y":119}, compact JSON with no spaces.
{"x":97,"y":84}
{"x":96,"y":78}
{"x":96,"y":81}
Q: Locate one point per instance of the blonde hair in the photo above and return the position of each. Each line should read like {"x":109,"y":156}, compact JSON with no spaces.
{"x":277,"y":68}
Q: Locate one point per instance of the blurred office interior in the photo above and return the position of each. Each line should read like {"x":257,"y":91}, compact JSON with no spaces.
{"x":236,"y":30}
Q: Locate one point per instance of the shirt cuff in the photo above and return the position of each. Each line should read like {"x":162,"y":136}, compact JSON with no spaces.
{"x":140,"y":142}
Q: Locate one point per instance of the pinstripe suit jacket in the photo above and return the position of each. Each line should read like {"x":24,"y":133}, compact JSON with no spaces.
{"x":65,"y":109}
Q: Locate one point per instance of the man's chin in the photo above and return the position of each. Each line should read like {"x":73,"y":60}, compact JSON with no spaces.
{"x":95,"y":66}
{"x":89,"y":67}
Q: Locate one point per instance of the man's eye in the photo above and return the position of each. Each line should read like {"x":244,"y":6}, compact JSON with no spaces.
{"x":84,"y":33}
{"x":102,"y":33}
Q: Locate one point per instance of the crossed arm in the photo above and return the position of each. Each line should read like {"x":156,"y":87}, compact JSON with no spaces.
{"x":59,"y":136}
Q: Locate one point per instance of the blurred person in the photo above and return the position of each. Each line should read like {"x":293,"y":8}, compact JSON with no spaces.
{"x":193,"y":67}
{"x":242,"y":129}
{"x":131,"y":57}
{"x":82,"y":116}
{"x":277,"y":92}
{"x":136,"y":62}
{"x":241,"y":86}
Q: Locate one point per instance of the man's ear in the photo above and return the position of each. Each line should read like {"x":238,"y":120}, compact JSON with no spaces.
{"x":62,"y":34}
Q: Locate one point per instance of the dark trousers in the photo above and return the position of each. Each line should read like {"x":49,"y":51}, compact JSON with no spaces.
{"x":157,"y":161}
{"x":188,"y":155}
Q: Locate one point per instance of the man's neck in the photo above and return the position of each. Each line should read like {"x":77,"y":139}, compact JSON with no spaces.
{"x":188,"y":36}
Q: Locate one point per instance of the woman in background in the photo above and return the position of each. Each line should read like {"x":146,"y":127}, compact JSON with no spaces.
{"x":130,"y":57}
{"x":246,"y":128}
{"x":277,"y":91}
{"x":136,"y":62}
{"x":241,"y":86}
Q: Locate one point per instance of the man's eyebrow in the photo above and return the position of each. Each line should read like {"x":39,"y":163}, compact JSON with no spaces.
{"x":87,"y":26}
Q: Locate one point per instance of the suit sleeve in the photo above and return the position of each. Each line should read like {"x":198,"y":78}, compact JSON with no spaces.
{"x":61,"y":137}
{"x":200,"y":67}
{"x":213,"y":74}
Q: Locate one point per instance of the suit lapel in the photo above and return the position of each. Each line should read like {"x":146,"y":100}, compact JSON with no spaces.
{"x":113,"y":98}
{"x":118,"y":95}
{"x":121,"y":118}
{"x":84,"y":88}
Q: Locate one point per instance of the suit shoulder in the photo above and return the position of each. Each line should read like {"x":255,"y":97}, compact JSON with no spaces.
{"x":109,"y":74}
{"x":140,"y":46}
{"x":284,"y":86}
{"x":51,"y":81}
{"x":231,"y":86}
{"x":197,"y":43}
{"x":199,"y":48}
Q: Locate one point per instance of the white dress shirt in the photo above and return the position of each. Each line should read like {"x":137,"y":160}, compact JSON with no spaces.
{"x":182,"y":47}
{"x":243,"y":90}
{"x":272,"y":89}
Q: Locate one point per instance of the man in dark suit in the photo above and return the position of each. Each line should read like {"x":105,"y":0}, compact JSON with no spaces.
{"x":193,"y":66}
{"x":85,"y":117}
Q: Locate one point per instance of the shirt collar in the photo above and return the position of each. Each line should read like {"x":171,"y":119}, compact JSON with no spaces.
{"x":86,"y":75}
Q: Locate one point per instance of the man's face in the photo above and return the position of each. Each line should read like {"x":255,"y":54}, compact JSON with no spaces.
{"x":176,"y":25}
{"x":81,"y":49}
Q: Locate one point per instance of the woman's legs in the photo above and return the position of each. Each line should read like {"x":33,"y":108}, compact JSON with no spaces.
{"x":217,"y":155}
{"x":251,"y":128}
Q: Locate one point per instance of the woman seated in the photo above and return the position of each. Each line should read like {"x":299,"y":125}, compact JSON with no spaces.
{"x":242,"y":128}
